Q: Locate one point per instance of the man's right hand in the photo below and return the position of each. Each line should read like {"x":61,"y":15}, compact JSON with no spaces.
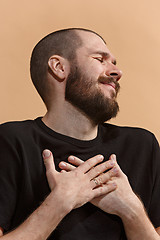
{"x":81,"y":185}
{"x":69,"y":190}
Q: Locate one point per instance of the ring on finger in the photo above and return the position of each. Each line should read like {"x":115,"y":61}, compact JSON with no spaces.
{"x":100,"y":181}
{"x":95,"y":181}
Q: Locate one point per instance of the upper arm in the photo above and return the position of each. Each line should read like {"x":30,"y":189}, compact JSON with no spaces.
{"x":9,"y":177}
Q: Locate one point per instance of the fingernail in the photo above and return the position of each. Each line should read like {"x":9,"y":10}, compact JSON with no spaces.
{"x":101,"y":157}
{"x":71,"y":158}
{"x":63,"y":164}
{"x":113,"y":157}
{"x":46,"y":153}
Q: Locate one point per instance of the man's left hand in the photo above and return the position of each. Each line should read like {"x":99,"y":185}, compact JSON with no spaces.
{"x":120,"y":201}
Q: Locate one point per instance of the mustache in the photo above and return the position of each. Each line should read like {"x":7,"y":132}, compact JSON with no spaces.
{"x":109,"y":80}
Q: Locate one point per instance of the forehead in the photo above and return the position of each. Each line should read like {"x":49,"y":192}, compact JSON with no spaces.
{"x":92,"y":43}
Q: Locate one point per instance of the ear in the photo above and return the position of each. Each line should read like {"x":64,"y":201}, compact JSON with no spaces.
{"x":58,"y":67}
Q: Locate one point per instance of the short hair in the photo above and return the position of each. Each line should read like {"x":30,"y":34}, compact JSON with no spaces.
{"x":64,"y":43}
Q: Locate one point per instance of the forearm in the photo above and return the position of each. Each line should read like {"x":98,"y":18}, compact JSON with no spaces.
{"x":138,"y":226}
{"x":41,"y":222}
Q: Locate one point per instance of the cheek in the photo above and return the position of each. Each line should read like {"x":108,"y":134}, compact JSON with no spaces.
{"x":94,"y":68}
{"x":97,"y":70}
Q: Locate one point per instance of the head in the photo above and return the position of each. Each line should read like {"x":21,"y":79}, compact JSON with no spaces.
{"x":64,"y":43}
{"x":81,"y":88}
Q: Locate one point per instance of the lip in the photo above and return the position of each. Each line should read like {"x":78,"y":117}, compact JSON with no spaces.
{"x":110,"y":84}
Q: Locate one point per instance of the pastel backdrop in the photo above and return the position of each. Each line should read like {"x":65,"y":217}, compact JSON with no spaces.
{"x":131,"y":29}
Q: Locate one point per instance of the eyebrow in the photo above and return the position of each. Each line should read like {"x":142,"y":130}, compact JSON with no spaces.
{"x":106,"y":55}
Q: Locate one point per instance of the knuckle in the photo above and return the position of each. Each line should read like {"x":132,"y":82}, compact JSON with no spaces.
{"x":105,"y":166}
{"x":109,"y":164}
{"x":76,"y":172}
{"x":101,"y":190}
{"x":112,"y":163}
{"x":109,"y":174}
{"x":115,"y":171}
{"x":100,"y":179}
{"x":89,"y":163}
{"x":112,"y":186}
{"x":97,"y":169}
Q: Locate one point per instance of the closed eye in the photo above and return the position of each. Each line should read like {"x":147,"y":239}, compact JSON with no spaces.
{"x":100,"y":59}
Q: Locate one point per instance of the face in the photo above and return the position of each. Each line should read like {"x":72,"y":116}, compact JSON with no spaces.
{"x":92,"y":84}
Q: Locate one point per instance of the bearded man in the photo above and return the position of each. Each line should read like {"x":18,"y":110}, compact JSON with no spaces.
{"x":103,"y":182}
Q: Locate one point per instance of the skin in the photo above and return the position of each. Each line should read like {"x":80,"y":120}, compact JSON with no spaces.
{"x":69,"y":189}
{"x":127,"y":206}
{"x":73,"y":187}
{"x":94,"y":65}
{"x":77,"y":125}
{"x":116,"y":201}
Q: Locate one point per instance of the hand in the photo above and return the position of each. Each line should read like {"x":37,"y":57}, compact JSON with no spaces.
{"x":118,"y":201}
{"x":78,"y":186}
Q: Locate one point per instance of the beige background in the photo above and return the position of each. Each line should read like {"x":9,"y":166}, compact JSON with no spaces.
{"x":131,"y":29}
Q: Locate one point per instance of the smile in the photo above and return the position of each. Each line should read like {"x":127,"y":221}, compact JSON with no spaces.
{"x":110,"y":84}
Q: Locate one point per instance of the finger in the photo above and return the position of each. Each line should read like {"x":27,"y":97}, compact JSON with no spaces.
{"x":62,"y":171}
{"x":75,"y":160}
{"x":118,"y":170}
{"x":90,"y":163}
{"x":50,"y":167}
{"x":104,"y":177}
{"x":113,"y":157}
{"x":100,"y":168}
{"x":104,"y":189}
{"x":66,"y":166}
{"x":48,"y":160}
{"x":117,"y":167}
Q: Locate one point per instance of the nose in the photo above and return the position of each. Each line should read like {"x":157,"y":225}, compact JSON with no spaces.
{"x":114,"y":72}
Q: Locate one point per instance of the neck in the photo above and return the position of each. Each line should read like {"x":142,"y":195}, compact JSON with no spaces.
{"x":71,"y":122}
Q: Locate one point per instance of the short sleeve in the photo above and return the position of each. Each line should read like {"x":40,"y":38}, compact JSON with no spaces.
{"x":154,"y":209}
{"x":9,"y":177}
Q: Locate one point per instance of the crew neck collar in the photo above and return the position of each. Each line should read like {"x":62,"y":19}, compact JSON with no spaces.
{"x":74,"y":141}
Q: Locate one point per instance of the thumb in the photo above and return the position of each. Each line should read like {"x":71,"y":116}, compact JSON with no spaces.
{"x":48,"y":160}
{"x":50,"y":167}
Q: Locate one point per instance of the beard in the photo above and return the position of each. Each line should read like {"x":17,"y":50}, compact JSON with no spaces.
{"x":82,"y":92}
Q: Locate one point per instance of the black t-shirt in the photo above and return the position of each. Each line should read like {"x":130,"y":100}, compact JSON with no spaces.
{"x":23,"y":183}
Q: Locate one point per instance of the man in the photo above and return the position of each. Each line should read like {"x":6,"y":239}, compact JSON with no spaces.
{"x":91,"y":198}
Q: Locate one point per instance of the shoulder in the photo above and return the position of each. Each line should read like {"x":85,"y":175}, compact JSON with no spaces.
{"x":129,"y":134}
{"x":15,"y":124}
{"x":16,"y":129}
